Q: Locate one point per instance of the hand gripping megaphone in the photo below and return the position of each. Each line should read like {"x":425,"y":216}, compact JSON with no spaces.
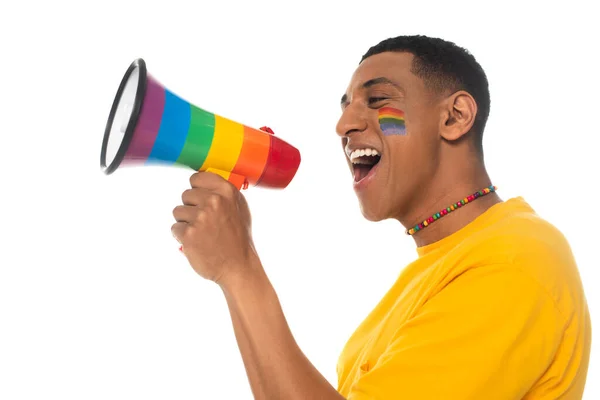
{"x":148,"y":124}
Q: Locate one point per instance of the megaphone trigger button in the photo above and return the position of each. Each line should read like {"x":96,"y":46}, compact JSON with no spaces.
{"x":267,"y":129}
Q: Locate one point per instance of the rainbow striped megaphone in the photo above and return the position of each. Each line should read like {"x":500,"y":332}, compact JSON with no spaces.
{"x":148,"y":124}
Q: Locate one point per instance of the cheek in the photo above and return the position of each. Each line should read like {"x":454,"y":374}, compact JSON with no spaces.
{"x":424,"y":121}
{"x":422,"y":133}
{"x":413,"y":149}
{"x":392,"y":121}
{"x":410,"y":158}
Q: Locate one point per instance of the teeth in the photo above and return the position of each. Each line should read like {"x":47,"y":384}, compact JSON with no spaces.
{"x":362,"y":152}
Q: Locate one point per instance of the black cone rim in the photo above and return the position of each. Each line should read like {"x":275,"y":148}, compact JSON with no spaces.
{"x":133,"y":119}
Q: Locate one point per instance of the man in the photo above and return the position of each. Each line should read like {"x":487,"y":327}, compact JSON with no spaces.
{"x":492,"y":308}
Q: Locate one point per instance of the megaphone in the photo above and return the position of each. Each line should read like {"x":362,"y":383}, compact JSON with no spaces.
{"x":148,"y":124}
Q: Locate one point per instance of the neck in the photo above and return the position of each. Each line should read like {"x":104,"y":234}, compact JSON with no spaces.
{"x":444,"y":191}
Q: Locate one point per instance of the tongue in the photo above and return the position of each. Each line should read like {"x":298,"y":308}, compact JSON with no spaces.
{"x":360,"y":171}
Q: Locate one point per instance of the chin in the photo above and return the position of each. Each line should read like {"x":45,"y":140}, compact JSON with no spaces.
{"x":373,"y":199}
{"x":373,"y":210}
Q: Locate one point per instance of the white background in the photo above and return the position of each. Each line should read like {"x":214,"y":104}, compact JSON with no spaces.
{"x":95,"y":300}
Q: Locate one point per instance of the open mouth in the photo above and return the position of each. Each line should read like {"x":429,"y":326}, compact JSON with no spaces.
{"x":363,"y":161}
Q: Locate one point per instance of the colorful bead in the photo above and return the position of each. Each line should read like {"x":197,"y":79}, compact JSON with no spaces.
{"x":448,"y":210}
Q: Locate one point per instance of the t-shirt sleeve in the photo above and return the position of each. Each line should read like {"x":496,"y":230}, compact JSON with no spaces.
{"x":489,"y":334}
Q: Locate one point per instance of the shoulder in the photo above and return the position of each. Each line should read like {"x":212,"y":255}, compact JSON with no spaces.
{"x":533,"y":248}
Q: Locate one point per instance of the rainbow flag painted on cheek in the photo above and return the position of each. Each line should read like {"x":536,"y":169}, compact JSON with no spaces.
{"x":391,"y":121}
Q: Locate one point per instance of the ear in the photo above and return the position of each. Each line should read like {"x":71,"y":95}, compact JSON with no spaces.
{"x":458,"y":115}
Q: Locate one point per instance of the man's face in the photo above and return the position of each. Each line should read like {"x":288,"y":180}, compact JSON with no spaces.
{"x":389,"y":130}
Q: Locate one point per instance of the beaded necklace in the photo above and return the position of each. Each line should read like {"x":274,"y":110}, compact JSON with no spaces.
{"x":451,"y":208}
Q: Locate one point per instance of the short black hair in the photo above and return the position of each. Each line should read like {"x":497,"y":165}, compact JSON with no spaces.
{"x":444,"y":66}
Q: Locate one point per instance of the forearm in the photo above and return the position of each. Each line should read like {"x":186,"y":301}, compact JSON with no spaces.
{"x":277,"y":366}
{"x":248,"y":356}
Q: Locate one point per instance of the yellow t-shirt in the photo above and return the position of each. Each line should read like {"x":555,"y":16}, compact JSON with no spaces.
{"x":494,"y":311}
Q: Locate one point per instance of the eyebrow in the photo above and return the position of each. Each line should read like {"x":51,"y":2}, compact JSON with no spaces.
{"x":375,"y":81}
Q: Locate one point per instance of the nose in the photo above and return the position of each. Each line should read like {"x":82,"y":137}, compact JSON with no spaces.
{"x":352,"y":120}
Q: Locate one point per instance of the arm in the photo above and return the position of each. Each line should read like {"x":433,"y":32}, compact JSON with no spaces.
{"x":213,"y":226}
{"x":248,"y":356}
{"x":276,"y":367}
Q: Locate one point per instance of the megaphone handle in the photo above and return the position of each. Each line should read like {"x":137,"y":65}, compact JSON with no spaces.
{"x":239,"y":181}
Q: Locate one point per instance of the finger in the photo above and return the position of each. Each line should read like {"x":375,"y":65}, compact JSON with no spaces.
{"x":197,"y":199}
{"x":185,"y":213}
{"x":178,"y":230}
{"x":196,"y":196}
{"x":212,"y":181}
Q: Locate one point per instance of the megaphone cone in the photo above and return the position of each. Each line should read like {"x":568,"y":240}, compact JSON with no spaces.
{"x":148,"y":124}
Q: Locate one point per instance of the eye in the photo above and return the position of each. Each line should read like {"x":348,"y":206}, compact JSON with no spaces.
{"x":373,"y":100}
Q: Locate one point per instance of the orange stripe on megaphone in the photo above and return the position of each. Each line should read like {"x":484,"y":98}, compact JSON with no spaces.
{"x":254,"y":154}
{"x":237,"y":180}
{"x":226,"y":145}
